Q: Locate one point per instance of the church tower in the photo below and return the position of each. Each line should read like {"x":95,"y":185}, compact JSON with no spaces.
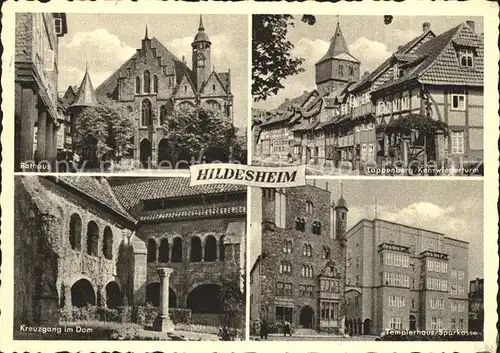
{"x":337,"y":67}
{"x":201,"y":56}
{"x":86,"y":94}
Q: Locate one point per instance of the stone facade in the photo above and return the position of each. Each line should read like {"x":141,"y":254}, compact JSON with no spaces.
{"x":100,"y":242}
{"x":36,"y":71}
{"x":401,"y":277}
{"x":153,"y":82}
{"x":302,"y":266}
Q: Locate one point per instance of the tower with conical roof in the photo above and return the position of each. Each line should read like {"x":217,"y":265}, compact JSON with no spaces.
{"x":201,"y":56}
{"x":86,"y":95}
{"x":337,"y":67}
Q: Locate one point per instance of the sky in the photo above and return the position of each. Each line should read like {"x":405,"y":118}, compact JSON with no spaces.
{"x":452,"y":207}
{"x":105,"y":42}
{"x":368,"y":38}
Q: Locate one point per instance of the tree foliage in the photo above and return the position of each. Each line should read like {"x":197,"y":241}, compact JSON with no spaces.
{"x":272,"y":60}
{"x":232,"y":299}
{"x":423,"y":124}
{"x":105,"y":130}
{"x":201,"y":133}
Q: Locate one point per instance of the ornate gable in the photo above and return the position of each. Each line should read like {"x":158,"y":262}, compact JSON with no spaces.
{"x":213,"y":87}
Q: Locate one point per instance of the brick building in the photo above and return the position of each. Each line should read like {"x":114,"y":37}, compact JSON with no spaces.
{"x":300,"y":274}
{"x":402,"y":277}
{"x":36,"y":99}
{"x":350,"y":120}
{"x":153,"y":82}
{"x":95,"y":241}
{"x":476,"y":305}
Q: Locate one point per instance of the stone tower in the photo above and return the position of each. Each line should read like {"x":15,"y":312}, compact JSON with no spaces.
{"x":337,"y":67}
{"x":201,"y":56}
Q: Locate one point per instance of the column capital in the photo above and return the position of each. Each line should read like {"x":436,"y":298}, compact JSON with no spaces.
{"x":164,"y":271}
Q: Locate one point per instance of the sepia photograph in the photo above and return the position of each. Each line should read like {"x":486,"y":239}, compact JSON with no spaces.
{"x":358,"y":260}
{"x":128,"y":259}
{"x":368,"y":95}
{"x":94,"y":94}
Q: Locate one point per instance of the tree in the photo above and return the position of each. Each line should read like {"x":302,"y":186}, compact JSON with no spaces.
{"x":200,"y":134}
{"x":272,"y":60}
{"x":233,"y":305}
{"x":120,"y":127}
{"x":105,"y":130}
{"x":91,"y":133}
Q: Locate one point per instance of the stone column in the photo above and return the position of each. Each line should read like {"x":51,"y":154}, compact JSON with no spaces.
{"x":40,"y":146}
{"x":162,"y":322}
{"x":27,"y":125}
{"x":49,"y":136}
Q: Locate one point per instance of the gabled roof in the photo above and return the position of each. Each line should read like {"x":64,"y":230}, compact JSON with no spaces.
{"x":185,"y":77}
{"x":86,"y":95}
{"x":403,"y":49}
{"x":217,"y":77}
{"x":170,"y":61}
{"x":337,"y":46}
{"x":130,"y":192}
{"x":439,"y":64}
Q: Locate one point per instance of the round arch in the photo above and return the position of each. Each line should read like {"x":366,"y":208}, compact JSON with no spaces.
{"x":82,"y":293}
{"x":114,"y":296}
{"x":145,"y":152}
{"x":204,"y":298}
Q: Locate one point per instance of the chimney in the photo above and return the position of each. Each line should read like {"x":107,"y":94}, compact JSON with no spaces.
{"x":426,"y":26}
{"x":471,"y":25}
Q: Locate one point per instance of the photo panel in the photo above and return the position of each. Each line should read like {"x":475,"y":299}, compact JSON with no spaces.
{"x":369,"y":95}
{"x":367,"y":260}
{"x":123,"y":258}
{"x":94,"y":94}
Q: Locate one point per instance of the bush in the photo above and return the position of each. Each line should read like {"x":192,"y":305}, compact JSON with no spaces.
{"x":180,"y":316}
{"x":86,"y":313}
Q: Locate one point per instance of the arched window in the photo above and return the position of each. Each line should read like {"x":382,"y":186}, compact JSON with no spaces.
{"x":195,"y":254}
{"x":302,"y":224}
{"x":137,"y":85}
{"x":92,"y":238}
{"x":163,"y":114}
{"x":210,"y":248}
{"x":326,"y":253}
{"x":163,"y":255}
{"x":151,"y":250}
{"x":222,"y":250}
{"x":155,"y":84}
{"x":75,"y":232}
{"x":147,"y":82}
{"x":281,"y":267}
{"x":146,"y":112}
{"x":316,"y":227}
{"x":107,"y":244}
{"x":309,"y":207}
{"x":177,"y":250}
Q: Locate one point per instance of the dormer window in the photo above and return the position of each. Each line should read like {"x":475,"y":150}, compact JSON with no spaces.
{"x":466,"y":58}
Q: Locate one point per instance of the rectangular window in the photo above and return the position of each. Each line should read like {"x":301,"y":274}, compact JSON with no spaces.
{"x":457,"y":142}
{"x":279,"y":288}
{"x":453,"y":324}
{"x":380,"y":108}
{"x":58,"y":26}
{"x":461,"y":324}
{"x":288,"y":289}
{"x":461,"y":274}
{"x":458,"y":101}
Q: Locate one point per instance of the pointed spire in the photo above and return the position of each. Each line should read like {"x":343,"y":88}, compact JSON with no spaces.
{"x":146,"y":35}
{"x":86,"y":95}
{"x":338,"y":45}
{"x":201,"y":27}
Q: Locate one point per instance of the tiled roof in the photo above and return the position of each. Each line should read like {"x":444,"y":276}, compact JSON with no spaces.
{"x":130,"y":192}
{"x":386,"y":64}
{"x":279,"y":117}
{"x":86,"y":94}
{"x":109,"y":86}
{"x":212,"y":210}
{"x":96,"y":188}
{"x":225,"y":79}
{"x":441,"y":65}
{"x":297,"y":100}
{"x":337,"y":46}
{"x":304,"y":125}
{"x":330,"y":121}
